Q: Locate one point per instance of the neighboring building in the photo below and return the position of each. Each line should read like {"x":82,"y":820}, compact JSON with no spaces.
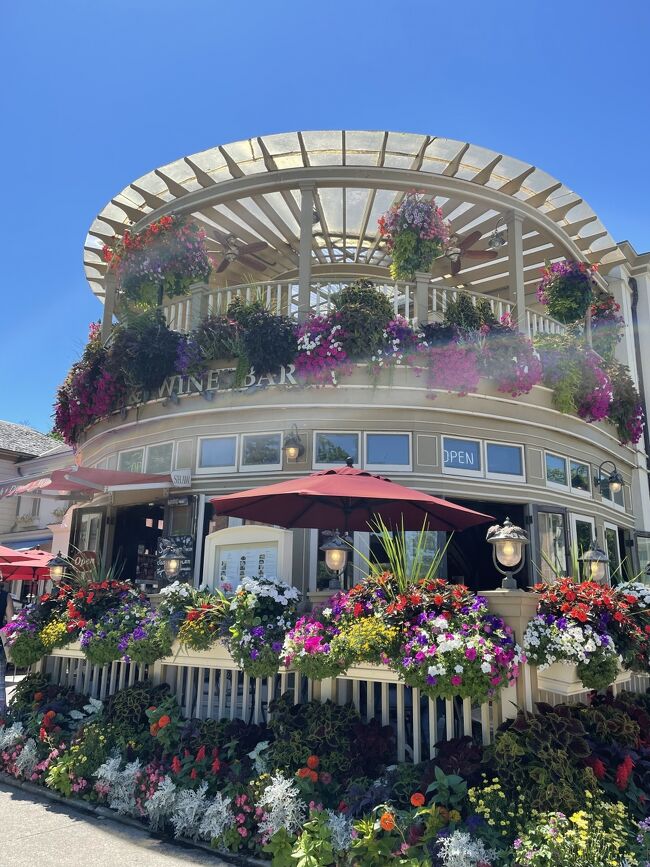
{"x":24,"y":452}
{"x":314,"y":198}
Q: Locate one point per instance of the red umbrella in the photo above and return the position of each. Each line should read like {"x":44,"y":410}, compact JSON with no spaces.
{"x":347,"y":499}
{"x":24,"y":565}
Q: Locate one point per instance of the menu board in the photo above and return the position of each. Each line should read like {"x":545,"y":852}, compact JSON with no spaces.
{"x":235,"y":562}
{"x":184,"y":546}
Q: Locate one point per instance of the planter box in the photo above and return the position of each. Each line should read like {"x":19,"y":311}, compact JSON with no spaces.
{"x":562,"y":679}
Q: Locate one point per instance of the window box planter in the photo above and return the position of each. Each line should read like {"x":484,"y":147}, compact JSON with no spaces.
{"x":561,"y":678}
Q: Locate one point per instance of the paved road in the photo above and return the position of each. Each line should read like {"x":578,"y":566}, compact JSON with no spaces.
{"x":35,"y":831}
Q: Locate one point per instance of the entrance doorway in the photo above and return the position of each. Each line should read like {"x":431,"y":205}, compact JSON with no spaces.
{"x":137,"y":529}
{"x":469,"y":556}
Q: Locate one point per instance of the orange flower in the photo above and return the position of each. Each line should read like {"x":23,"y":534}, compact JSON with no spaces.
{"x":153,"y":729}
{"x":313,"y":775}
{"x":303,"y":773}
{"x":163,"y":721}
{"x":387,"y":821}
{"x":417,"y":799}
{"x":313,"y":762}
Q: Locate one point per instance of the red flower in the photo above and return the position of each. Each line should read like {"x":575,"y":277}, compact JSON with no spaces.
{"x":176,"y":765}
{"x":216,"y":766}
{"x":597,"y":767}
{"x":623,"y":772}
{"x":193,"y":774}
{"x":438,"y":599}
{"x":358,"y":609}
{"x":200,"y":755}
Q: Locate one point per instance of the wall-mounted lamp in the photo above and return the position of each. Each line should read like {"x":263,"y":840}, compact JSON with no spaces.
{"x":499,"y":236}
{"x":612,"y":483}
{"x":507,"y":550}
{"x":293,"y":446}
{"x":336,"y":551}
{"x":171,"y":561}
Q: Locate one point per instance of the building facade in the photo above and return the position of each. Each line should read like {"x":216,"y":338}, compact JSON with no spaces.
{"x":308,"y":203}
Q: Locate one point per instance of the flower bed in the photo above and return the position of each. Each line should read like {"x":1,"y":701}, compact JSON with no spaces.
{"x":317,"y":786}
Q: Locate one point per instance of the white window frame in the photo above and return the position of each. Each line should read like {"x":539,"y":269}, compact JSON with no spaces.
{"x":214,"y":471}
{"x":259,"y":468}
{"x":460,"y":471}
{"x":607,"y":525}
{"x":556,"y":485}
{"x":126,"y":452}
{"x":579,"y":491}
{"x":610,"y":501}
{"x":405,"y":468}
{"x":154,"y":446}
{"x":507,"y":477}
{"x":574,"y":517}
{"x":323,"y":466}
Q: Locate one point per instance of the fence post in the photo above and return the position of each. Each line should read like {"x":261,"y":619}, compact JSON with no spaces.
{"x":198,"y":304}
{"x":421,"y":297}
{"x":517,"y":608}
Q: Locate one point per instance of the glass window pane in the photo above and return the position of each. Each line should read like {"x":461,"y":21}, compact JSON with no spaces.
{"x":504,"y":459}
{"x":218,"y":452}
{"x":580,"y":476}
{"x":584,"y":536}
{"x":159,"y":458}
{"x":131,"y":461}
{"x":462,"y":454}
{"x":611,"y":544}
{"x":552,"y":541}
{"x":261,"y":449}
{"x":556,"y":470}
{"x":618,"y":498}
{"x":335,"y":448}
{"x":643,"y":549}
{"x":388,"y":449}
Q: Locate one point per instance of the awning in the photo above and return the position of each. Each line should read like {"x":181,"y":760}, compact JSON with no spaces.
{"x":85,"y":480}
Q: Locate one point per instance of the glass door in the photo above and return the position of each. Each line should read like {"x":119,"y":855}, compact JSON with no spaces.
{"x":614,"y":553}
{"x":583,"y":533}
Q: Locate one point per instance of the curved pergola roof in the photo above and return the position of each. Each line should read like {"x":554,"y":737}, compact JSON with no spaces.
{"x":250,"y":190}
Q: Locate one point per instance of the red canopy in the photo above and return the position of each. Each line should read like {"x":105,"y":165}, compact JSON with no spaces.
{"x":85,"y":480}
{"x":23,"y":565}
{"x":345,"y":499}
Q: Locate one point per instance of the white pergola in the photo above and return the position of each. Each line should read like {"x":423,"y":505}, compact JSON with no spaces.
{"x":314,"y":198}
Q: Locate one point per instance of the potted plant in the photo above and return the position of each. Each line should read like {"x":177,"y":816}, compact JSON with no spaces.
{"x":566,"y":289}
{"x":415,"y":233}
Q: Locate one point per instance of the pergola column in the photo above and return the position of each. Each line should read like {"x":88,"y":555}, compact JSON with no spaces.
{"x":110,"y":289}
{"x":304,"y":251}
{"x":515,"y":221}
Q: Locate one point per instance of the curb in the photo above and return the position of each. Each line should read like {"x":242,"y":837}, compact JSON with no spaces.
{"x":103,"y":812}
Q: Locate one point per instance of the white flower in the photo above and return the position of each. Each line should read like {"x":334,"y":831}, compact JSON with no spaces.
{"x":189,"y":809}
{"x":11,"y":735}
{"x":161,"y":804}
{"x":28,"y":759}
{"x":257,"y":757}
{"x":217,"y":819}
{"x":460,"y":849}
{"x":341,"y":829}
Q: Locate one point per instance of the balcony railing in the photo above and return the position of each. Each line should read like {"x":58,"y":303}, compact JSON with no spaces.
{"x":281,"y":297}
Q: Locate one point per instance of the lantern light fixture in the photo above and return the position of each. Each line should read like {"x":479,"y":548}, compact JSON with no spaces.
{"x":595,"y":564}
{"x":293,"y":446}
{"x":499,"y":237}
{"x":58,"y":566}
{"x":336,"y":551}
{"x":171,"y":561}
{"x":508,"y":543}
{"x":612,"y":482}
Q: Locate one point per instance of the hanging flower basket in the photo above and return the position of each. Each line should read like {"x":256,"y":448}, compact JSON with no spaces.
{"x":567,"y":289}
{"x":168,"y":256}
{"x":415,"y":233}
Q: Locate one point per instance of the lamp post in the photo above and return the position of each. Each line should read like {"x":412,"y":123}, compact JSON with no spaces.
{"x":612,"y":482}
{"x":58,"y":567}
{"x":336,"y":556}
{"x":171,"y":561}
{"x":595,"y":564}
{"x":507,"y":550}
{"x":293,"y":446}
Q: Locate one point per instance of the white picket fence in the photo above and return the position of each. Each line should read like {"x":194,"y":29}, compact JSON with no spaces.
{"x":209,"y":684}
{"x":281,"y":297}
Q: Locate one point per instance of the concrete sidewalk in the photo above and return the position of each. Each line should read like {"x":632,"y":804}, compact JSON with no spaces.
{"x":35,"y":831}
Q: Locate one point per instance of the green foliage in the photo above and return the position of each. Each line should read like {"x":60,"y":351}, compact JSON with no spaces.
{"x":542,"y":756}
{"x":126,"y":709}
{"x":266,"y":341}
{"x":280,"y":848}
{"x":217,"y":337}
{"x":313,"y":848}
{"x":600,"y":671}
{"x":90,"y":749}
{"x":462,"y":313}
{"x":23,"y":694}
{"x":447,"y":790}
{"x":26,"y":649}
{"x":412,"y":253}
{"x":143,"y":350}
{"x":363,"y":312}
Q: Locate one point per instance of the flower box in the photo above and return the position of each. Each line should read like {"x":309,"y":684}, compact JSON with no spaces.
{"x":561,"y":678}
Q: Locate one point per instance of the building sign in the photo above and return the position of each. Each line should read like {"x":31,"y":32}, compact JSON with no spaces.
{"x":214,"y":381}
{"x":236,"y":562}
{"x":182,"y":545}
{"x":182,"y":478}
{"x":84,"y":563}
{"x":461,"y":454}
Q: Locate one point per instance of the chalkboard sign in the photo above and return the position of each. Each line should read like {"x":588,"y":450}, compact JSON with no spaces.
{"x":184,"y":546}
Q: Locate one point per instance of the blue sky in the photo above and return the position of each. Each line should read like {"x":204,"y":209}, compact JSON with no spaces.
{"x":96,"y":94}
